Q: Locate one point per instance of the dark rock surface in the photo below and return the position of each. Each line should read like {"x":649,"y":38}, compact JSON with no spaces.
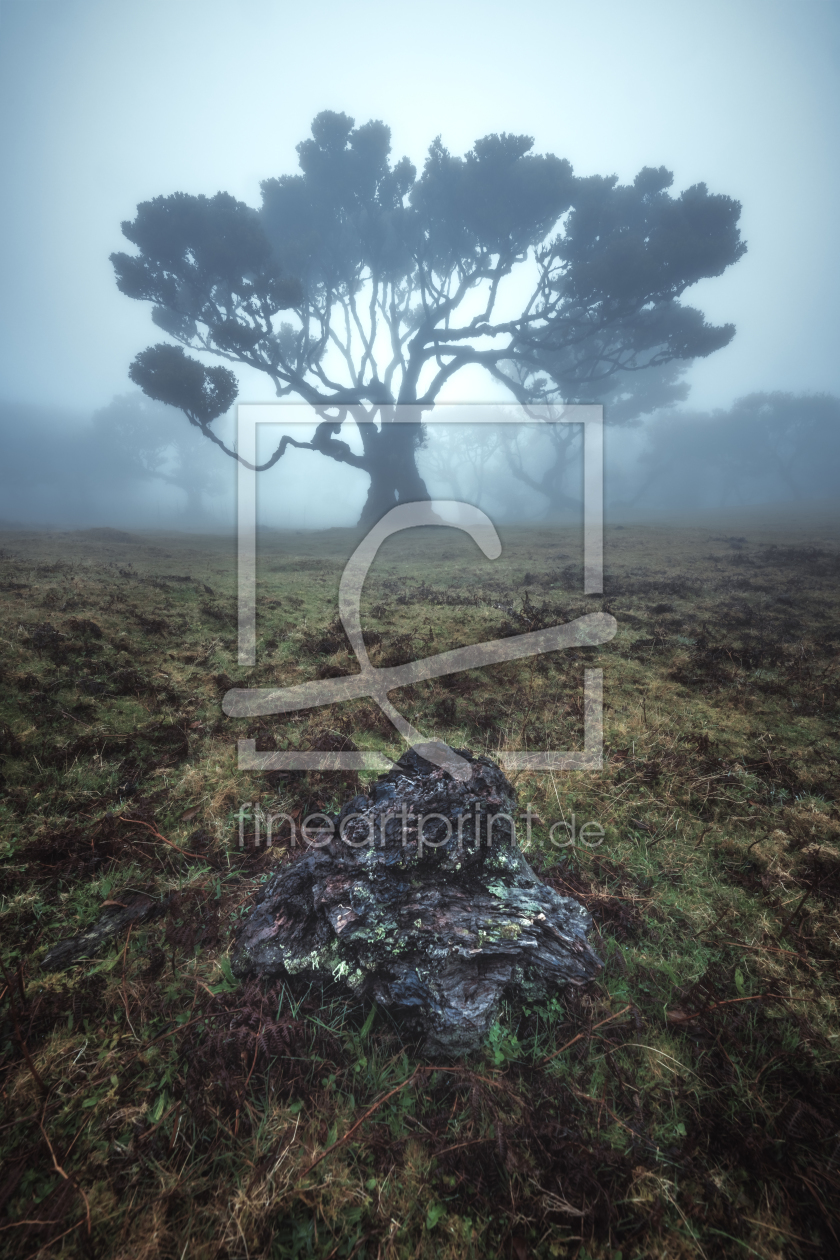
{"x":439,"y":931}
{"x":73,"y":950}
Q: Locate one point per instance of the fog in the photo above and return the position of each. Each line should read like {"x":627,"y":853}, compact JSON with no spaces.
{"x":105,"y":106}
{"x":138,"y":464}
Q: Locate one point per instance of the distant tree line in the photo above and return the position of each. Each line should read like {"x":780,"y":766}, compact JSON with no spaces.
{"x":128,"y":463}
{"x":767,"y":447}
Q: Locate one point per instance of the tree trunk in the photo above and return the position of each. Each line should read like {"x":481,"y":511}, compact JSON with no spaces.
{"x":391,"y":461}
{"x":194,"y":509}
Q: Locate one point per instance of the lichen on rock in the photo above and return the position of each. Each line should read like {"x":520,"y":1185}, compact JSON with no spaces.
{"x":421,"y":900}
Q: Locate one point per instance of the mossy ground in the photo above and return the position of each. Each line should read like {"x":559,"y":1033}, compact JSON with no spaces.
{"x":153,"y":1107}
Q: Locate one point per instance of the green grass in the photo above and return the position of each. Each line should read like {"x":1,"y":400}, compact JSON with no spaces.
{"x":153,"y":1107}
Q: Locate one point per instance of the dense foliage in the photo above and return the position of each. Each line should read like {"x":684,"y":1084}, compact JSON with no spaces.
{"x":395,"y":282}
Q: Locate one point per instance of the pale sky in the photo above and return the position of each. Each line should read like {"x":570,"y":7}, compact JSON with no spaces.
{"x":106,"y":104}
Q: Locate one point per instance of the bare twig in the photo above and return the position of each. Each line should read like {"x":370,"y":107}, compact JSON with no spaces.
{"x":74,"y":1181}
{"x":791,"y":917}
{"x":124,"y":995}
{"x":52,"y":1241}
{"x":256,"y":1050}
{"x":137,"y":822}
{"x":588,"y":1033}
{"x":408,"y":1080}
{"x":36,"y":1076}
{"x":423,"y":1070}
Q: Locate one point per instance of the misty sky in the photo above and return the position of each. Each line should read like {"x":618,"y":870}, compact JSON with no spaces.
{"x":107,"y":104}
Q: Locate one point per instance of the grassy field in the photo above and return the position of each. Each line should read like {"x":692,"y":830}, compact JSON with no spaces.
{"x":686,"y":1103}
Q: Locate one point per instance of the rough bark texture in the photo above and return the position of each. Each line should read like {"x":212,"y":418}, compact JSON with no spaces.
{"x":391,"y":460}
{"x":438,"y":930}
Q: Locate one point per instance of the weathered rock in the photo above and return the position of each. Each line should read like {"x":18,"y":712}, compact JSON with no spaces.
{"x":437,"y":931}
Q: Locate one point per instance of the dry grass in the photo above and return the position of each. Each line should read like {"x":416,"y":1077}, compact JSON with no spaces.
{"x":152,"y":1107}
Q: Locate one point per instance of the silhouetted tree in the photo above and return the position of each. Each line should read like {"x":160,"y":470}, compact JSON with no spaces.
{"x":62,"y":468}
{"x":395,"y":283}
{"x":136,"y":440}
{"x":765,"y":446}
{"x":459,"y":457}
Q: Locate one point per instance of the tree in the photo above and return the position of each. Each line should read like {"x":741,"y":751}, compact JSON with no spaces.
{"x":766,"y":446}
{"x":459,"y":457}
{"x":395,"y":283}
{"x":136,"y":437}
{"x":791,"y":439}
{"x":81,"y":470}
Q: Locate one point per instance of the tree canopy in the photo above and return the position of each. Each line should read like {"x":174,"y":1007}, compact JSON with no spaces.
{"x":359,"y":285}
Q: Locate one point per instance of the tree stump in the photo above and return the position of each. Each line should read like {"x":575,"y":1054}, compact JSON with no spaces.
{"x":420,"y":900}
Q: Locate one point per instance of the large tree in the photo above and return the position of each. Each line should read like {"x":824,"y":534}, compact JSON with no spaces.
{"x":358,"y":286}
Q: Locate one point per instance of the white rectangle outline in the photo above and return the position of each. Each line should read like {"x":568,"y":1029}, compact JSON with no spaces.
{"x":591,"y":415}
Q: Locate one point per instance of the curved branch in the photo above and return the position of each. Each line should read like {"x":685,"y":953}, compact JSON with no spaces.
{"x":323,"y":441}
